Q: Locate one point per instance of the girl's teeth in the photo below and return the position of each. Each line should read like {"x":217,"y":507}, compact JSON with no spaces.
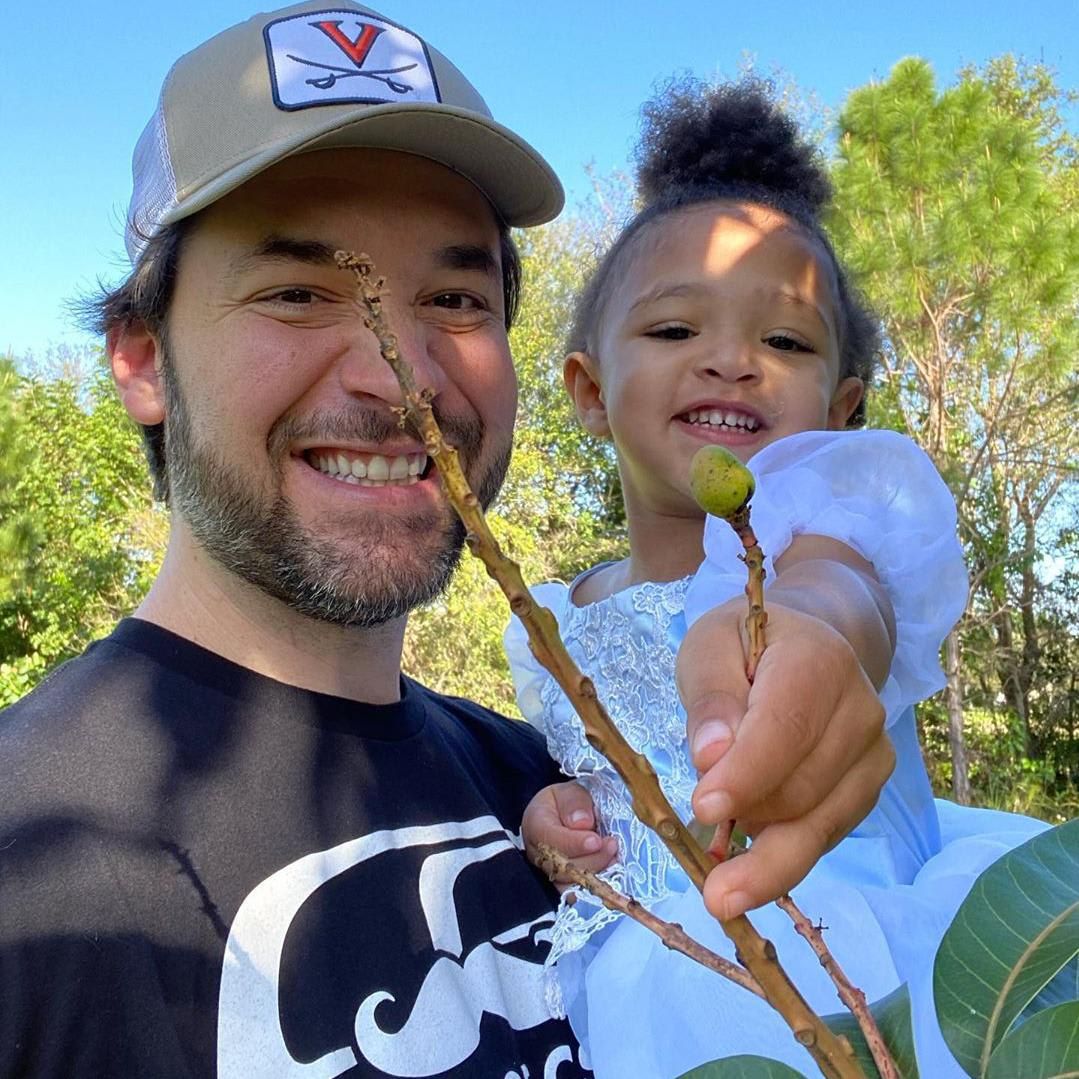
{"x":716,"y":418}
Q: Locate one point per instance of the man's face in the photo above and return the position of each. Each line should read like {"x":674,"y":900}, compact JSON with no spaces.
{"x":286,"y":461}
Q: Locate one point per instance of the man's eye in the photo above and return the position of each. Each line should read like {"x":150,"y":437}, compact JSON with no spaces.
{"x":671,"y":333}
{"x":783,"y":342}
{"x":458,"y":301}
{"x":295,"y":296}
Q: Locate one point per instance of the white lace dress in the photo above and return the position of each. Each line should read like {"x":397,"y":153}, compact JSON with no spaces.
{"x":886,"y":892}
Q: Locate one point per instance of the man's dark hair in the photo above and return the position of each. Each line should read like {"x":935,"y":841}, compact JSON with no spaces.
{"x":145,"y":296}
{"x":701,"y":144}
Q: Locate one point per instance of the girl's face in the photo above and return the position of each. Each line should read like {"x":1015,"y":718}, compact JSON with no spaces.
{"x":722,"y":330}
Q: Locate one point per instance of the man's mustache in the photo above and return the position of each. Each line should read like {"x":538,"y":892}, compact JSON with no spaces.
{"x":362,"y":423}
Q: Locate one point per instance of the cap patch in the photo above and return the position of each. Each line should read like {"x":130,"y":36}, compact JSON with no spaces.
{"x":330,"y":57}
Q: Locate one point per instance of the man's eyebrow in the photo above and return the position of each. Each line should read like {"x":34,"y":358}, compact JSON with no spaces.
{"x":467,"y":257}
{"x":275,"y":248}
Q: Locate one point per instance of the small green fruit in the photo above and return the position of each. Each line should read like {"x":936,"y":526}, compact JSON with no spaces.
{"x":721,"y":484}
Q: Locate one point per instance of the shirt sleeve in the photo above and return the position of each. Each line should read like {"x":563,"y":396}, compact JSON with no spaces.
{"x":877,"y":492}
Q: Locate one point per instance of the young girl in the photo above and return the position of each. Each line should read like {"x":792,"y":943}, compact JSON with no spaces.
{"x":721,"y":315}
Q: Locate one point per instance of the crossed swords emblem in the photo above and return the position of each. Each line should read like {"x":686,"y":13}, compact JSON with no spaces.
{"x":384,"y":75}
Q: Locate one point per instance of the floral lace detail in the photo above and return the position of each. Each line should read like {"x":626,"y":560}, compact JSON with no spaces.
{"x":628,"y":653}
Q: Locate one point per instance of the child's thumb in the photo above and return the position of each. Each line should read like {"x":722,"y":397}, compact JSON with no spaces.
{"x":574,"y":805}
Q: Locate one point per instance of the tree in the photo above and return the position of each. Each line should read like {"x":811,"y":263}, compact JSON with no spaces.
{"x":98,"y":537}
{"x":17,"y":533}
{"x":954,"y":209}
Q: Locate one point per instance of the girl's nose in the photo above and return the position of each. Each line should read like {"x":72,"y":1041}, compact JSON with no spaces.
{"x":732,"y":361}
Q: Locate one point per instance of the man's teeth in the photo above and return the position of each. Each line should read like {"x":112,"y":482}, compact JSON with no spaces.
{"x":371,"y":469}
{"x":715,"y":417}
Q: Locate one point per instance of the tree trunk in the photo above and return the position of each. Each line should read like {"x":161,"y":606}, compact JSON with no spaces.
{"x":1032,"y":652}
{"x":954,"y":697}
{"x":1011,"y":678}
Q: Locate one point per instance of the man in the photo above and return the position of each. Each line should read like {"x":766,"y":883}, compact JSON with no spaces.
{"x":237,"y":841}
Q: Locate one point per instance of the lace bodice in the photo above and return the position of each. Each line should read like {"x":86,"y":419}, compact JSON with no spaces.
{"x":627,"y":644}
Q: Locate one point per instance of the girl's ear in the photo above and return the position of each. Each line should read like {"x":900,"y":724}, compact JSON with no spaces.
{"x":845,"y":400}
{"x":581,"y":375}
{"x":135,"y":355}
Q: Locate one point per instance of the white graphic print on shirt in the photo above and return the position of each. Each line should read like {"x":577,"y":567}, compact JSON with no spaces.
{"x":350,"y":900}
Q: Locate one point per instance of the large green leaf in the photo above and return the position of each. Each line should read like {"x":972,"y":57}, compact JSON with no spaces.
{"x":743,"y":1067}
{"x":1015,"y":931}
{"x":1045,"y":1047}
{"x":892,"y":1014}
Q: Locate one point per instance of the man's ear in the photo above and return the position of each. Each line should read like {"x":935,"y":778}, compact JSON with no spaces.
{"x":848,"y":395}
{"x":581,"y":375}
{"x":135,"y":355}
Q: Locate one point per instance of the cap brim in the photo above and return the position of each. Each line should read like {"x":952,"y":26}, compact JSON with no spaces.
{"x":519,"y":184}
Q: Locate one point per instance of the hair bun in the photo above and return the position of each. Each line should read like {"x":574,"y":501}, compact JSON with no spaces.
{"x":733,"y":138}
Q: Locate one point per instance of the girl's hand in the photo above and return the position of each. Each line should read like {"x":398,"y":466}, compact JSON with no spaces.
{"x":563,"y":817}
{"x":798,"y":758}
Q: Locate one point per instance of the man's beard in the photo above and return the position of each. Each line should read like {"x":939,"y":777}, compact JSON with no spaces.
{"x":375,"y":570}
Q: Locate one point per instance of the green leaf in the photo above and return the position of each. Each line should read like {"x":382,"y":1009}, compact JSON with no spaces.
{"x":1045,"y":1047}
{"x":893,"y":1017}
{"x":1015,"y":931}
{"x":743,"y":1067}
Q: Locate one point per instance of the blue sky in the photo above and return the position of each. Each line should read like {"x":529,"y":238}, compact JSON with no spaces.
{"x":79,"y":81}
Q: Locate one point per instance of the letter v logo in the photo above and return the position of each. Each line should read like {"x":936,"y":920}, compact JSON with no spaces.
{"x":356,"y":49}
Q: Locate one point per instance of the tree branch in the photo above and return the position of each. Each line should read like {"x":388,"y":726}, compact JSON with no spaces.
{"x":557,"y":865}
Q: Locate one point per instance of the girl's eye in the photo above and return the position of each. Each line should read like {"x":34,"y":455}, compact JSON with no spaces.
{"x":783,"y":342}
{"x":671,"y":333}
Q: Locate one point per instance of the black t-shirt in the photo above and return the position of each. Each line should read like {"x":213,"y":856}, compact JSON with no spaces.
{"x":206,"y":872}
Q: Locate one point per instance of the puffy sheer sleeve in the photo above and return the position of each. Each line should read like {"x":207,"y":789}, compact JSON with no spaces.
{"x":528,"y":675}
{"x":880,"y":494}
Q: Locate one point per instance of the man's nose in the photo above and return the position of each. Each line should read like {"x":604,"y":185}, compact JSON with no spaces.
{"x":363,"y":371}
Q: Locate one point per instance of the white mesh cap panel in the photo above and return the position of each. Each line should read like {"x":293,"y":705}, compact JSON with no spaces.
{"x":153,"y":184}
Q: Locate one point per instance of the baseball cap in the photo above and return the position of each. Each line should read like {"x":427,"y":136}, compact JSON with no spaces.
{"x":313,"y":76}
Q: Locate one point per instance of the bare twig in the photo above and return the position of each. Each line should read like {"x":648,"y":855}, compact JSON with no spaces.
{"x":832,"y":1053}
{"x":849,"y":993}
{"x":555,"y":864}
{"x":757,"y":616}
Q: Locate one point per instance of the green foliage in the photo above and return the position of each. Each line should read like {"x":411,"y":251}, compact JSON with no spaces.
{"x":744,"y":1067}
{"x":1046,"y":1046}
{"x":562,"y":479}
{"x":17,"y":532}
{"x":455,"y":643}
{"x":98,"y":539}
{"x":1018,"y":928}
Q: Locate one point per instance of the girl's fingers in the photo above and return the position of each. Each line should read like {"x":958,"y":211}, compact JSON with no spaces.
{"x":603,"y":858}
{"x":574,"y":805}
{"x":783,"y":853}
